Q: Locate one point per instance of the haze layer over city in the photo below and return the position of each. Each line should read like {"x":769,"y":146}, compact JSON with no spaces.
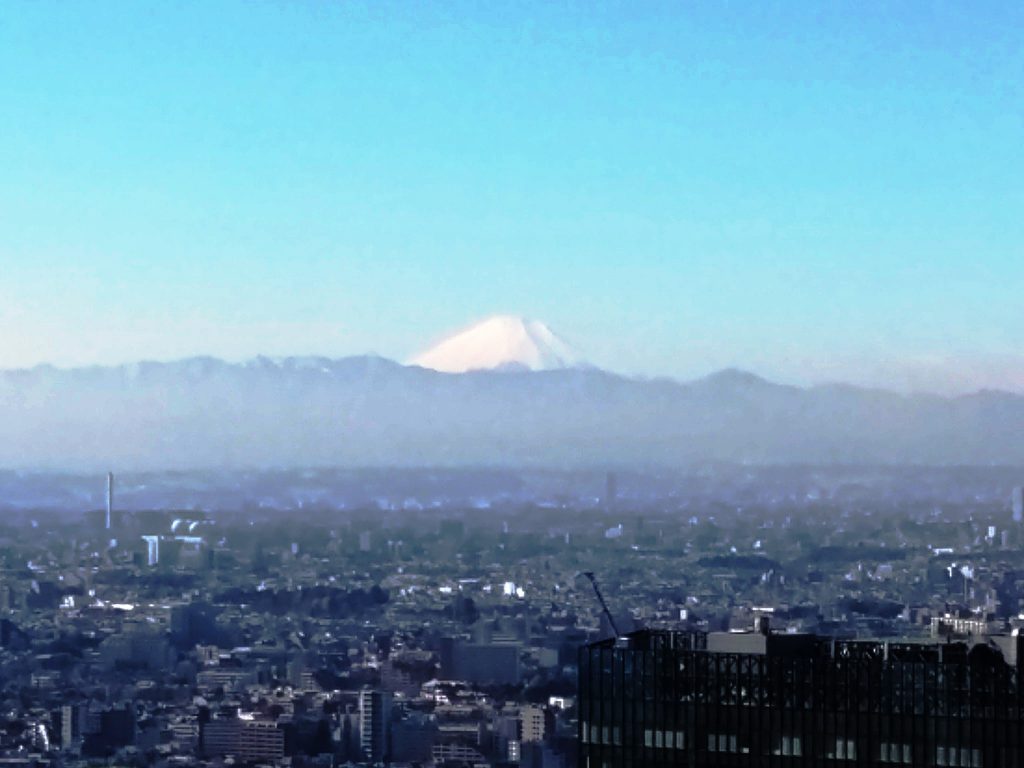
{"x":550,"y":385}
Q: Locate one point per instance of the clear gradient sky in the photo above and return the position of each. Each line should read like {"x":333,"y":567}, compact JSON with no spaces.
{"x":810,"y":193}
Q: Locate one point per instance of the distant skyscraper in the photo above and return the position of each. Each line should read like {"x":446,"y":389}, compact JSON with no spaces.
{"x":1018,"y":504}
{"x":110,"y":497}
{"x":533,"y":724}
{"x":374,"y":725}
{"x":152,"y":550}
{"x":71,"y":717}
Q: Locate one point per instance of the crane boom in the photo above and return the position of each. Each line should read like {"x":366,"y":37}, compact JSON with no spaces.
{"x":604,"y":606}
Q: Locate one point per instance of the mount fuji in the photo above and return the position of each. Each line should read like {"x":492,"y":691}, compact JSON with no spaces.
{"x":503,"y":342}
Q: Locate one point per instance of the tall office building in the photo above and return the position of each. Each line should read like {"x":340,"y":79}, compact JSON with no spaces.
{"x":1018,"y":504}
{"x":374,"y":725}
{"x":72,"y":718}
{"x":762,"y":699}
{"x":152,"y":550}
{"x":533,"y":724}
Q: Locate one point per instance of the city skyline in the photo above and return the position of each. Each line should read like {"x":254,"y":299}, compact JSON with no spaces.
{"x":826,"y":195}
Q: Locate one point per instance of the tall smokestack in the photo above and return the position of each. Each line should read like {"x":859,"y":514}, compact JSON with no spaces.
{"x":110,"y":497}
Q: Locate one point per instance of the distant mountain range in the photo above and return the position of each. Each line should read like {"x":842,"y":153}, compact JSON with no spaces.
{"x":369,"y":411}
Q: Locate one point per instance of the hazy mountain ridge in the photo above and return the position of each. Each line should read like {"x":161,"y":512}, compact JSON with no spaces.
{"x":370,"y":411}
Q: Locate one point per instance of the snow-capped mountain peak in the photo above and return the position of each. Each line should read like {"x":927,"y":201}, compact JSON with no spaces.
{"x":500,"y":342}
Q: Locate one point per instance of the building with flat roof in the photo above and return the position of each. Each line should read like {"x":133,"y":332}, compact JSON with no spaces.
{"x":247,"y":739}
{"x":481,"y":663}
{"x":758,"y":698}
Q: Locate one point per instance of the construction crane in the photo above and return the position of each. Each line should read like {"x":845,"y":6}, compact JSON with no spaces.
{"x":600,"y":598}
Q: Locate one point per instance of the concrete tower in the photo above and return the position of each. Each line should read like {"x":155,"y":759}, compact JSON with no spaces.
{"x":110,"y":497}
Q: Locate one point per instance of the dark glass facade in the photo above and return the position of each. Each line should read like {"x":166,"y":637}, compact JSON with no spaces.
{"x":682,"y":699}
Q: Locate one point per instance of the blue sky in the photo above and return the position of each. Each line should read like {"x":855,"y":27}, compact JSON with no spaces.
{"x":813,"y":194}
